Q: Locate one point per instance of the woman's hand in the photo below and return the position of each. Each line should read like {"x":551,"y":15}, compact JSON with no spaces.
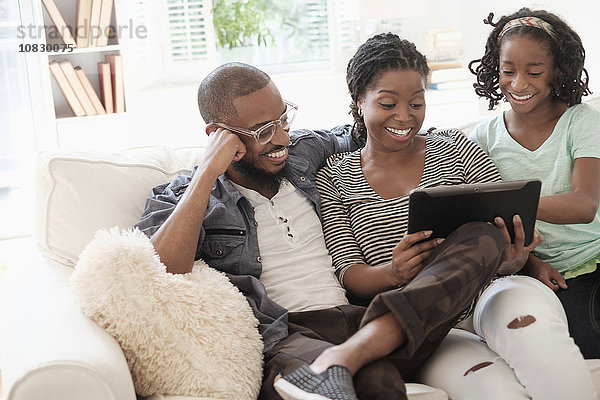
{"x":408,"y":256}
{"x":516,"y":253}
{"x":544,"y":273}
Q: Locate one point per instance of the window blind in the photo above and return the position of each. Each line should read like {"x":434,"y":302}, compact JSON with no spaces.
{"x":188,"y":22}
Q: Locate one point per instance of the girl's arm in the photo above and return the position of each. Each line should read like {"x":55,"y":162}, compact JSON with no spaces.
{"x":544,"y":273}
{"x":580,"y":205}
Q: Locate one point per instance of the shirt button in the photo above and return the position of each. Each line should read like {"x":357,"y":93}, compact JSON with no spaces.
{"x":219,"y":252}
{"x":255,"y":223}
{"x":303,"y":178}
{"x":258,"y":259}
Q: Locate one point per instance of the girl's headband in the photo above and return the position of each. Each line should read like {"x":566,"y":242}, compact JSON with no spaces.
{"x":529,"y":21}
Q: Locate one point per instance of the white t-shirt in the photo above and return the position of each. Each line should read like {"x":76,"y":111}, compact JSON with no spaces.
{"x":576,"y":134}
{"x":296,"y":266}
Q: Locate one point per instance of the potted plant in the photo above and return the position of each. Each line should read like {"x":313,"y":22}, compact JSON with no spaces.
{"x":240,"y":23}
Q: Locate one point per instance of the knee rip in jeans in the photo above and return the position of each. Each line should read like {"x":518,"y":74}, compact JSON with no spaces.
{"x":521,"y":322}
{"x":478,"y":367}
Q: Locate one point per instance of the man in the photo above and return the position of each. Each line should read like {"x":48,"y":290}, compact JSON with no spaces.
{"x":251,"y":209}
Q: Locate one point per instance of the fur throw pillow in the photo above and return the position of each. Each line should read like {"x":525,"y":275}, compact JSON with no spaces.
{"x":189,"y":335}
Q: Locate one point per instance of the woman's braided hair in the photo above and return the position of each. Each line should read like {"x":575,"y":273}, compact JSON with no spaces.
{"x":571,"y":82}
{"x":380,"y":53}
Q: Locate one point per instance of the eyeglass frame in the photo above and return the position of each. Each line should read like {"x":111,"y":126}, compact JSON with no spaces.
{"x":255,"y":134}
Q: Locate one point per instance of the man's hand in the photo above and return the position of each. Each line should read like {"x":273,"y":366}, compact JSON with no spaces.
{"x":408,"y":256}
{"x":177,"y":239}
{"x":516,"y":253}
{"x":224,"y":147}
{"x":544,"y":273}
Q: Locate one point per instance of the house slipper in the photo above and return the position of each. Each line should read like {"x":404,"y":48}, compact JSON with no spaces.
{"x":304,"y":384}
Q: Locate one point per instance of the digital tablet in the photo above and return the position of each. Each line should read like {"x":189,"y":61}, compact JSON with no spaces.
{"x":445,"y":208}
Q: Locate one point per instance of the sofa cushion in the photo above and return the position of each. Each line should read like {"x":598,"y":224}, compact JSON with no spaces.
{"x":79,"y":192}
{"x":182,"y":334}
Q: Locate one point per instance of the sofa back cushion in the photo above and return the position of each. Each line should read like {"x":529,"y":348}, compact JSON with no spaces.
{"x":78,"y":193}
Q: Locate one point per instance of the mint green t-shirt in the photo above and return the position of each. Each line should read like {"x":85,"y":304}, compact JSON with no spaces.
{"x":576,"y":134}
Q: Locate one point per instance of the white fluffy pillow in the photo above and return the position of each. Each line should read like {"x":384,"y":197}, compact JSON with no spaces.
{"x":189,"y":335}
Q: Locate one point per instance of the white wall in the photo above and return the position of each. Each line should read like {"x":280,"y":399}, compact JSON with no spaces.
{"x":168,"y":115}
{"x":467,"y":16}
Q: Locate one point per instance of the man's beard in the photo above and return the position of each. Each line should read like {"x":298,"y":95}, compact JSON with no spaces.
{"x":262,"y":178}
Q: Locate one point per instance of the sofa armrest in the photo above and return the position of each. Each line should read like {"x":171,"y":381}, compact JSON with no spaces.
{"x":50,"y":350}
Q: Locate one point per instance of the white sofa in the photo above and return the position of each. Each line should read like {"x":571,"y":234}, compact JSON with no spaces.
{"x":50,"y":350}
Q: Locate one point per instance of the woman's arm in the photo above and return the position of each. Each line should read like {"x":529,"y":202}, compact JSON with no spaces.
{"x":516,"y":253}
{"x":365,"y":281}
{"x":357,"y":277}
{"x":580,"y":205}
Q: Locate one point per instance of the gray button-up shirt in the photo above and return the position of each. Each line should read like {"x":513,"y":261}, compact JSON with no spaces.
{"x":228,"y":240}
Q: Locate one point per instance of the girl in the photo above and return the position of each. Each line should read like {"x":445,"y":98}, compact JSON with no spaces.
{"x":364,"y":198}
{"x":535,"y":61}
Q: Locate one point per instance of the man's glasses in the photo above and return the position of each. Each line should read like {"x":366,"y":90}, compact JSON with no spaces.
{"x":265,"y":133}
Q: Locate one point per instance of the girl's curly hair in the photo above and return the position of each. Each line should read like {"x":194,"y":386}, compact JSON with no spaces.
{"x":571,"y":81}
{"x":380,"y":53}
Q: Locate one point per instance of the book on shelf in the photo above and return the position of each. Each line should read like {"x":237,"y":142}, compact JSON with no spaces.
{"x":436,"y":65}
{"x":91,"y":26}
{"x":59,"y":22}
{"x":89,"y":89}
{"x":104,"y":22}
{"x":83,"y":22}
{"x":94,"y":22}
{"x":444,"y":44}
{"x":116,"y":69}
{"x":75,"y":83}
{"x":66,"y":88}
{"x":448,"y":74}
{"x":105,"y":86}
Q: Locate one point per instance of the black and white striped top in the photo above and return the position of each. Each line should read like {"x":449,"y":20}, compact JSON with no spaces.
{"x":360,"y":227}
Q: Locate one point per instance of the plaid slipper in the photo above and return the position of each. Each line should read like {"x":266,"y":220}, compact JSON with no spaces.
{"x":303,"y":384}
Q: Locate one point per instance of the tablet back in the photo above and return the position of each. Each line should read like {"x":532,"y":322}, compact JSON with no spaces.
{"x":445,"y":208}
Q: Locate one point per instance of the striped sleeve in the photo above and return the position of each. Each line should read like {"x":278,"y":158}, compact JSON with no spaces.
{"x":339,"y":235}
{"x":479,"y":168}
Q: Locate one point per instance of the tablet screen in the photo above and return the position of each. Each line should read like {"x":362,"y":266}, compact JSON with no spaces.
{"x":445,"y":208}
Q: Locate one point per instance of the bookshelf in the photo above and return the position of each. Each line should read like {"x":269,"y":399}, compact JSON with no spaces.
{"x":65,"y":129}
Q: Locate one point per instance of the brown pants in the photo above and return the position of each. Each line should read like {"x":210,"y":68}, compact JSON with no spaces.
{"x":426,"y":308}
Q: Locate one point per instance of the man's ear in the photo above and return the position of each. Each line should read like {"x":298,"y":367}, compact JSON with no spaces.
{"x":210,"y":128}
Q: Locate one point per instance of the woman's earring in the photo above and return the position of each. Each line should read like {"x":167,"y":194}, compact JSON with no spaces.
{"x":360,"y":112}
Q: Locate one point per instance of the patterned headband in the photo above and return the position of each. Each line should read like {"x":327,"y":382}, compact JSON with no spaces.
{"x":529,"y":21}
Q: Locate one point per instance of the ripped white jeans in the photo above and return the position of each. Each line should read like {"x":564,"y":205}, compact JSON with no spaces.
{"x":529,"y":353}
